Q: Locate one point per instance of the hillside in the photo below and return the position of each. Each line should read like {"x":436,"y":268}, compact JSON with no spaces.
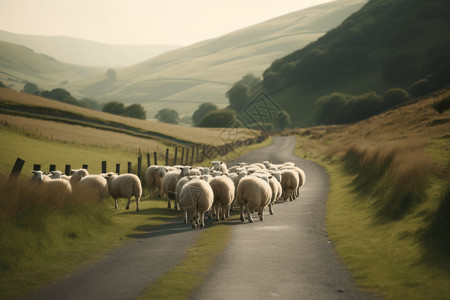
{"x":15,"y":103}
{"x":385,"y":44}
{"x":203,"y":72}
{"x":19,"y":65}
{"x":84,"y":52}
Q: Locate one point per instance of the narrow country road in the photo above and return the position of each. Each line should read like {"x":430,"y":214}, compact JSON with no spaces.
{"x":287,"y":256}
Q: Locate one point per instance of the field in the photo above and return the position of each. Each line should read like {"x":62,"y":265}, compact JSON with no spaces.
{"x":388,"y":208}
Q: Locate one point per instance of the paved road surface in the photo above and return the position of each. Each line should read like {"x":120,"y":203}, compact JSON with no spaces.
{"x":287,"y":256}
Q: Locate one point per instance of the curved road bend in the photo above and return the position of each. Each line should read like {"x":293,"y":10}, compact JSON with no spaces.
{"x":288,"y":255}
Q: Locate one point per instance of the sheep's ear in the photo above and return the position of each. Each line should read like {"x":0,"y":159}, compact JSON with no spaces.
{"x":34,"y":172}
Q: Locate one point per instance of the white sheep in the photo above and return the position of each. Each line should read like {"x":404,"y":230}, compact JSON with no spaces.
{"x":253,"y":193}
{"x":196,"y":197}
{"x":236,"y":178}
{"x":91,"y":187}
{"x":126,"y":186}
{"x":77,"y":174}
{"x":224,"y":192}
{"x":301,"y":176}
{"x":219,"y":166}
{"x":178,"y":188}
{"x":153,"y":176}
{"x":59,"y":174}
{"x":275,"y":185}
{"x":56,"y":189}
{"x":169,"y":184}
{"x":289,"y":183}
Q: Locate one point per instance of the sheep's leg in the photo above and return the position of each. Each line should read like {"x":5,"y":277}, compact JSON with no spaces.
{"x":129,"y":201}
{"x":202,"y":219}
{"x":242,"y":213}
{"x":176,"y":204}
{"x":227,"y":216}
{"x":270,"y":209}
{"x":168,"y":202}
{"x":137,"y":203}
{"x":185,"y":217}
{"x":116,"y":205}
{"x":249,"y":215}
{"x":217,"y":211}
{"x":261,"y":214}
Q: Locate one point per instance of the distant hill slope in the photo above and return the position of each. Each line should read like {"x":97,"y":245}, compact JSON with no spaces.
{"x":388,"y":43}
{"x":19,"y":65}
{"x":84,"y":52}
{"x":203,"y":72}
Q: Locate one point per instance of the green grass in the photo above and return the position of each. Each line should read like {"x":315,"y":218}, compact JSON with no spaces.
{"x":400,"y":255}
{"x":182,"y":280}
{"x":43,"y":243}
{"x":35,"y":150}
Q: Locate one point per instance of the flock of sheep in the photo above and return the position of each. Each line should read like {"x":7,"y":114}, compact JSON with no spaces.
{"x":218,"y":189}
{"x":215,"y":190}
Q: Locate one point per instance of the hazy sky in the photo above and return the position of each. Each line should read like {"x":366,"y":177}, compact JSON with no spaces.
{"x":178,"y":22}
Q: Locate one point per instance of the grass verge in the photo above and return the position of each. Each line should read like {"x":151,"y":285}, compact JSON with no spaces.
{"x":182,"y":280}
{"x":388,"y":216}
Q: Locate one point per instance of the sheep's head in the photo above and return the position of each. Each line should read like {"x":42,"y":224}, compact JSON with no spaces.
{"x":162,"y":171}
{"x":266,"y":163}
{"x":185,"y":170}
{"x":216,"y":165}
{"x":37,"y":176}
{"x":242,"y":164}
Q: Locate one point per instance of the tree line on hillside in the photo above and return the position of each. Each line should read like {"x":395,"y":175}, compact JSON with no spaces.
{"x":136,"y":111}
{"x":239,"y":96}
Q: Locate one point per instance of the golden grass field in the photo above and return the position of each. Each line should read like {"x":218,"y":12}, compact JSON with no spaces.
{"x":207,"y":136}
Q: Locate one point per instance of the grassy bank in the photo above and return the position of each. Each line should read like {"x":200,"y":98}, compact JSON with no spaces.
{"x":389,"y":204}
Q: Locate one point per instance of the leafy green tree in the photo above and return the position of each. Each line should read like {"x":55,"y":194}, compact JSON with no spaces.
{"x":283,"y":120}
{"x":135,"y":111}
{"x":202,"y":110}
{"x":218,"y":118}
{"x":168,"y":115}
{"x":114,"y":107}
{"x":395,"y":96}
{"x":89,"y":103}
{"x":30,"y":88}
{"x":330,"y":108}
{"x":239,"y":95}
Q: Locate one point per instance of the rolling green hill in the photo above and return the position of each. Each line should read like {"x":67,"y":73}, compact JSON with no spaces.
{"x":203,"y":72}
{"x":19,"y":65}
{"x":386,"y":44}
{"x":84,"y":52}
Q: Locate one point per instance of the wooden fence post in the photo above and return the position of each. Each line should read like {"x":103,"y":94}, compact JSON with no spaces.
{"x":17,"y":168}
{"x":129,"y":167}
{"x":86,"y":167}
{"x":187,"y":156}
{"x":155,"y":159}
{"x":52,"y":168}
{"x":148,"y":159}
{"x":192,"y":156}
{"x":182,"y":156}
{"x":167,"y":156}
{"x":36,"y":167}
{"x":118,"y":169}
{"x":104,"y":166}
{"x":67,"y":170}
{"x":139,"y":166}
{"x":175,"y":157}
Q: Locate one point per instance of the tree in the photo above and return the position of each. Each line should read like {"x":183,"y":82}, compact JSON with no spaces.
{"x":114,"y":107}
{"x":330,"y":108}
{"x":111,"y":74}
{"x":167,"y":115}
{"x":240,"y":93}
{"x":202,"y":110}
{"x":282,"y":120}
{"x":395,"y":96}
{"x":400,"y":69}
{"x":30,"y":88}
{"x":218,"y":118}
{"x":135,"y":111}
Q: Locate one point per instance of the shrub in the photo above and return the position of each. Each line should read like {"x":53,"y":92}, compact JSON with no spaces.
{"x":218,"y":118}
{"x":394,"y":97}
{"x":442,"y":105}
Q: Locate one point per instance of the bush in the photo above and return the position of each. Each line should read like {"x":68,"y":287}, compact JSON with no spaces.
{"x":202,"y":110}
{"x":394,"y":97}
{"x":400,"y":69}
{"x":168,"y":115}
{"x":218,"y":118}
